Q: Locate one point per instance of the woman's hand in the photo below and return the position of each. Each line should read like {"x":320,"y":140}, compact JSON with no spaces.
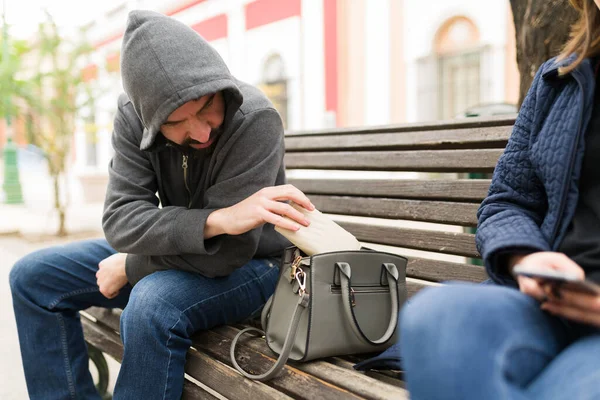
{"x":580,"y":307}
{"x":541,"y":260}
{"x":561,"y":302}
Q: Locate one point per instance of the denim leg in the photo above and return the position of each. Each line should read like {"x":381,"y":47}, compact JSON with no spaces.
{"x":166,"y":308}
{"x":48,"y":289}
{"x":573,"y":374}
{"x":463,"y":341}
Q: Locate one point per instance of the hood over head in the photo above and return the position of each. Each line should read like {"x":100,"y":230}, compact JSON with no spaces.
{"x":165,"y":64}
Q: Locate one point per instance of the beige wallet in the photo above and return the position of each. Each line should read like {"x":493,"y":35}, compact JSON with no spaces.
{"x":321,"y":236}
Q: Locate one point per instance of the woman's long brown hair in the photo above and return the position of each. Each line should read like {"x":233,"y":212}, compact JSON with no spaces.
{"x":585,"y":34}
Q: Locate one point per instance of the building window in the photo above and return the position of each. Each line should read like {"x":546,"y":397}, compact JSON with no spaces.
{"x":459,"y":83}
{"x":450,"y":78}
{"x":459,"y":65}
{"x":274,"y":85}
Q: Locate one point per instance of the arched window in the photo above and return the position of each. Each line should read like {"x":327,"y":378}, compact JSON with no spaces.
{"x":449,"y":78}
{"x":274,"y":85}
{"x":459,"y":66}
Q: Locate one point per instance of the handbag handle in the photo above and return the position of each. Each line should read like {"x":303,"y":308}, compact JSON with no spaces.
{"x":392,"y":278}
{"x":287,"y":344}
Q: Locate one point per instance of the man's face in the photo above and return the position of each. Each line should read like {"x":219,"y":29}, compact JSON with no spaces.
{"x":197,"y":123}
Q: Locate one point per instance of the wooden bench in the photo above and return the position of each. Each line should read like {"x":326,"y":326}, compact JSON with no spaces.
{"x":404,"y":186}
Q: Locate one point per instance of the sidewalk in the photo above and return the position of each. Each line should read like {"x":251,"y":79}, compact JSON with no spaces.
{"x":12,"y":381}
{"x":39,"y":221}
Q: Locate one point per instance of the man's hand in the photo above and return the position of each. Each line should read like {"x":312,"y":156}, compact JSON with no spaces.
{"x":540,"y":260}
{"x":111,"y":275}
{"x":264,"y":206}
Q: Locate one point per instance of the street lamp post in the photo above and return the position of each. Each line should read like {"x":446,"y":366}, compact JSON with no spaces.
{"x":12,"y":184}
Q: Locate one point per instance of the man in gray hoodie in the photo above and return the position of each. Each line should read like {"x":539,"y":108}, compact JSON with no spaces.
{"x":196,"y":186}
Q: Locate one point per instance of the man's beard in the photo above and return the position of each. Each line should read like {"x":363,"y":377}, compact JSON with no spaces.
{"x":214,"y":134}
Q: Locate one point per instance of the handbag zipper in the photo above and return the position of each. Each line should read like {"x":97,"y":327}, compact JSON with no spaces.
{"x":335,"y":289}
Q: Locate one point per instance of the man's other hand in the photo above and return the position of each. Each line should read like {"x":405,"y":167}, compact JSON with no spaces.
{"x":111,"y":275}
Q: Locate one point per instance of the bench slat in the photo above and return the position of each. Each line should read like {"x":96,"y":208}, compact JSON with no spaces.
{"x":225,"y":380}
{"x":463,"y":214}
{"x":413,"y":288}
{"x":474,"y":190}
{"x":103,"y":337}
{"x":193,"y":391}
{"x":430,"y":139}
{"x":458,"y":123}
{"x":456,"y":243}
{"x":439,"y":271}
{"x":422,"y":161}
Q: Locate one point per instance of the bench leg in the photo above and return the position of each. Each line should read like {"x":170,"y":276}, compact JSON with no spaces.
{"x":97,"y":357}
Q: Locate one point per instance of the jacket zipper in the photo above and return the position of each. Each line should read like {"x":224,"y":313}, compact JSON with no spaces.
{"x":563,"y":200}
{"x":184,"y":165}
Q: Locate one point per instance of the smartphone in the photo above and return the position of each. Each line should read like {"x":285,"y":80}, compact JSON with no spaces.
{"x":560,"y":279}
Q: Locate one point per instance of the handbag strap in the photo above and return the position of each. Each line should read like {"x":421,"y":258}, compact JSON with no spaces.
{"x":266,"y":311}
{"x":303,"y":302}
{"x":392,"y":278}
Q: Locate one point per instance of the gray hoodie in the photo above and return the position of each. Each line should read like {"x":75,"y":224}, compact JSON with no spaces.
{"x":165,"y":64}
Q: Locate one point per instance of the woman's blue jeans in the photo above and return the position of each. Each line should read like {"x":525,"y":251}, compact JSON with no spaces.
{"x":464,"y":341}
{"x":160,"y":314}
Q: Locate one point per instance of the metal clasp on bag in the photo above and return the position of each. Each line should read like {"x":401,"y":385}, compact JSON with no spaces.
{"x":295,"y":265}
{"x":301,"y":279}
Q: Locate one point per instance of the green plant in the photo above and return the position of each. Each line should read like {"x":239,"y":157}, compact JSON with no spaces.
{"x":59,"y":95}
{"x":14,"y":90}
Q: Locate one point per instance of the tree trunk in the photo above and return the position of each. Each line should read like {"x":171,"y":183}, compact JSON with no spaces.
{"x":542,"y":28}
{"x":58,"y":206}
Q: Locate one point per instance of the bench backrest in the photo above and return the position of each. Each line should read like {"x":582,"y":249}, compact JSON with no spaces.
{"x":406,"y":186}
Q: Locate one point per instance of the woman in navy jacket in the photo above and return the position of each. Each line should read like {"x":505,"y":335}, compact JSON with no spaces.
{"x":465,"y":341}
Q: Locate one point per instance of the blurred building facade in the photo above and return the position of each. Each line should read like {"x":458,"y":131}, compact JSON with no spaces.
{"x":326,"y":63}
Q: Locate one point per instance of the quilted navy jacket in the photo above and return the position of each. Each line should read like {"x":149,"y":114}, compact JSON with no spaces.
{"x":534,"y":189}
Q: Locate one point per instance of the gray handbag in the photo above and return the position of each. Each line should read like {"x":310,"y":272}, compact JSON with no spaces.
{"x":352,"y":298}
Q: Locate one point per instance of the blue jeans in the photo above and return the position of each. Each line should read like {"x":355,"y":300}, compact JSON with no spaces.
{"x":160,"y":314}
{"x":464,"y":341}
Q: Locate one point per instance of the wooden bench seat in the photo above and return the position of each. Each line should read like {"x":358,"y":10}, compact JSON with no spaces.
{"x":403,"y":189}
{"x":208,"y":362}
